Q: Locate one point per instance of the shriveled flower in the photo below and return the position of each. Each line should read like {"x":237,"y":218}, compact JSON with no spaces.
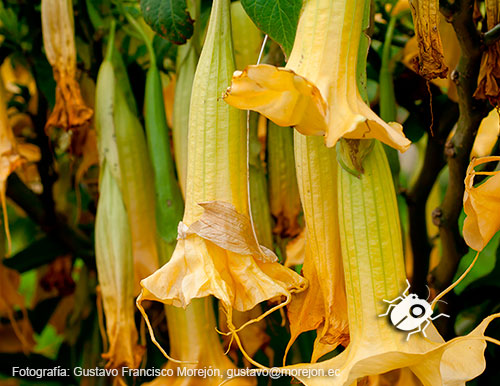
{"x":374,"y":270}
{"x":217,"y":252}
{"x":70,"y":111}
{"x":18,"y":334}
{"x":13,"y":155}
{"x":451,"y":55}
{"x":430,"y":62}
{"x":317,"y":91}
{"x":488,"y":86}
{"x":481,"y":205}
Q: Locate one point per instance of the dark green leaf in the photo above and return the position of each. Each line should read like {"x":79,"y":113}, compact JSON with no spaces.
{"x":277,"y":18}
{"x":38,"y":253}
{"x":169,"y":19}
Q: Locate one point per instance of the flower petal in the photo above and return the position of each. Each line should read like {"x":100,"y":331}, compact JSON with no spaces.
{"x":481,"y":205}
{"x":281,"y":95}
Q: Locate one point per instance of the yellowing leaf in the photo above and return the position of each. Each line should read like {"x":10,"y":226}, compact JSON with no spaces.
{"x":481,"y":205}
{"x":430,"y":61}
{"x":317,"y":91}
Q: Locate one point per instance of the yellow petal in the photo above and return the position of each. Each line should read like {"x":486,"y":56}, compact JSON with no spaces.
{"x":281,"y":95}
{"x":217,"y":171}
{"x":295,"y":250}
{"x":323,"y":305}
{"x":487,"y":135}
{"x":374,"y":270}
{"x":481,"y":205}
{"x":199,"y":268}
{"x":317,"y":91}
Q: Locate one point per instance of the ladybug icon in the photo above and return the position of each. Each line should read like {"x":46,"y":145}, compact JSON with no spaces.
{"x":411,"y":313}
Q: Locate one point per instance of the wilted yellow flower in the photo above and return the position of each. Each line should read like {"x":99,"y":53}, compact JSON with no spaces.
{"x":19,"y":332}
{"x":489,"y":73}
{"x":450,"y":56}
{"x":70,"y":111}
{"x":12,"y":154}
{"x":217,"y":252}
{"x":374,"y":271}
{"x":322,"y":306}
{"x":317,"y":91}
{"x":481,"y":205}
{"x":430,"y":61}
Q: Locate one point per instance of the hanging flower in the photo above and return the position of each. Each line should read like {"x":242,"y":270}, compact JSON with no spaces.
{"x":374,"y":270}
{"x":430,"y":62}
{"x":70,"y":111}
{"x":217,"y":252}
{"x":317,"y":91}
{"x":322,"y":306}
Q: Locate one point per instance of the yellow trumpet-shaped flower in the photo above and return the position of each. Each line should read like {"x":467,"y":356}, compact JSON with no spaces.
{"x":317,"y":91}
{"x":372,"y":252}
{"x":217,"y":252}
{"x":323,"y":305}
{"x":481,"y":205}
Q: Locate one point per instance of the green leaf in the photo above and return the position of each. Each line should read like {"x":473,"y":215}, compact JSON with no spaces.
{"x":276,"y":18}
{"x":169,"y":19}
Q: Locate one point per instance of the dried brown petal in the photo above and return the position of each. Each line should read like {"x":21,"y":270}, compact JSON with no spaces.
{"x":430,"y":62}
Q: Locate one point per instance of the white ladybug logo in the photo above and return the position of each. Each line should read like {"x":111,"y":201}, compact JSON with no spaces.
{"x":410,"y":313}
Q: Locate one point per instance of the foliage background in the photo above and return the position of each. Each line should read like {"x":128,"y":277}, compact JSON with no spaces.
{"x":52,"y":222}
